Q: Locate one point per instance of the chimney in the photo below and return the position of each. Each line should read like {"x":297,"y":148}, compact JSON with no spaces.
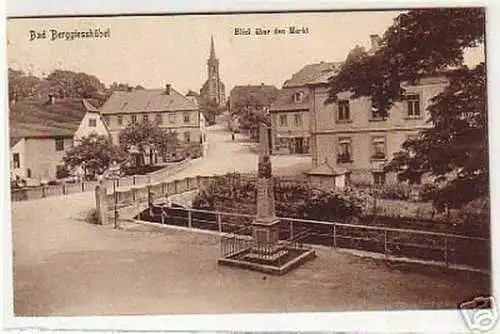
{"x":52,"y":99}
{"x":375,"y":40}
{"x":167,"y":89}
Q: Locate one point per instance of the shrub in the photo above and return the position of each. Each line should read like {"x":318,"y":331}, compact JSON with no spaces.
{"x":92,"y":217}
{"x":398,"y":191}
{"x":474,"y":217}
{"x":331,"y":206}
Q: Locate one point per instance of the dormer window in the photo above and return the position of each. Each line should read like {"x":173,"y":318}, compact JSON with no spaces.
{"x":298,"y":97}
{"x":413,"y":105}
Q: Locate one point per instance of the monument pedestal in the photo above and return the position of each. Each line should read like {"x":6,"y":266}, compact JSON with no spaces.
{"x":265,"y":252}
{"x":266,"y":248}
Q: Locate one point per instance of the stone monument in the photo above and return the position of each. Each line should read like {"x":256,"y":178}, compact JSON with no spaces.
{"x":264,"y":252}
{"x":265,"y":228}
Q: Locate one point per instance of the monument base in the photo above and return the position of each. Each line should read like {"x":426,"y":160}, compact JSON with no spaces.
{"x":294,"y":257}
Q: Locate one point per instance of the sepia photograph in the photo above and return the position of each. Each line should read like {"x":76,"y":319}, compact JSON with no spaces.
{"x":250,"y":163}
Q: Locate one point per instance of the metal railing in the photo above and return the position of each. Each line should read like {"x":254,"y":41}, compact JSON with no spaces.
{"x":450,"y":250}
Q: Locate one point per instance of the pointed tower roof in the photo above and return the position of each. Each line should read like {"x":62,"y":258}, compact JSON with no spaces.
{"x":212,"y":48}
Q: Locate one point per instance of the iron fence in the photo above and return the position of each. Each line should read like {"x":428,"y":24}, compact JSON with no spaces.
{"x":393,"y":243}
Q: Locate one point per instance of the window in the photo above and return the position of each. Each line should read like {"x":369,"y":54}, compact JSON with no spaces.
{"x":187,"y":137}
{"x":16,"y":160}
{"x":413,"y":105}
{"x":120,"y":119}
{"x":59,"y":144}
{"x":344,"y":113}
{"x":344,"y":153}
{"x":171,"y":118}
{"x":186,"y":117}
{"x":159,"y":119}
{"x":378,"y":148}
{"x":92,"y":122}
{"x":375,"y":113}
{"x":298,"y":119}
{"x":283,"y":120}
{"x":298,"y":97}
{"x":134,"y":119}
{"x":378,"y":178}
{"x":106,"y":119}
{"x":145,"y":118}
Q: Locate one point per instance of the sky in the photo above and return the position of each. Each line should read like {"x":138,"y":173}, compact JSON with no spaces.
{"x":154,"y":50}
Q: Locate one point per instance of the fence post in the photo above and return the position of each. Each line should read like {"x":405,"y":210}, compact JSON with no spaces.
{"x":190,"y":223}
{"x":133,"y":180}
{"x":198,"y":181}
{"x":118,"y":182}
{"x":219,"y":221}
{"x":115,"y":211}
{"x":334,"y":235}
{"x":101,"y":204}
{"x":43,"y":191}
{"x":64,"y":188}
{"x":446,"y":251}
{"x":83,"y":186}
{"x":149,"y":178}
{"x":385,"y":243}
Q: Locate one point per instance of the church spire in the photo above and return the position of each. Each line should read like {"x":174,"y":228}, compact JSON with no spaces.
{"x":212,"y":48}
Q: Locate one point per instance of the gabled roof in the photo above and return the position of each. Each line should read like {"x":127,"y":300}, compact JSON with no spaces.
{"x":146,"y":100}
{"x":285,"y":100}
{"x":264,"y":94}
{"x":89,"y":107}
{"x":326,"y":170}
{"x":30,"y":119}
{"x":313,"y":73}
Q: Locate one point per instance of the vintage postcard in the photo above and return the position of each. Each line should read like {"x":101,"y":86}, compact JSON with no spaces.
{"x":266,"y":163}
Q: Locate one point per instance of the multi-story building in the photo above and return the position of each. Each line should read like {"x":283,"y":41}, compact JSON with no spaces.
{"x":350,"y":135}
{"x":166,"y":107}
{"x":290,"y":112}
{"x":42,"y":132}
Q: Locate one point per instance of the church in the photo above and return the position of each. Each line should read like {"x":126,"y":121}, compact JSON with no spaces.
{"x":213,"y":89}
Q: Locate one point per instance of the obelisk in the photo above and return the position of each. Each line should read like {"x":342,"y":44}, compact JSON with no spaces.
{"x":265,"y":226}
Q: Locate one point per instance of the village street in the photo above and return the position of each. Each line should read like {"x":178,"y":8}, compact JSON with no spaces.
{"x":225,"y":156}
{"x":66,"y":266}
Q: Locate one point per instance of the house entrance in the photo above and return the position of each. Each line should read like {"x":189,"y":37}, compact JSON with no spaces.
{"x":298,"y":145}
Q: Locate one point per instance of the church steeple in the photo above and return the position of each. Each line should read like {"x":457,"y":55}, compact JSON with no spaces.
{"x":212,"y":48}
{"x":213,"y":89}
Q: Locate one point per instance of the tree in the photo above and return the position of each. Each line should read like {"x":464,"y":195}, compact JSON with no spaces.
{"x":148,"y":137}
{"x":65,"y":83}
{"x":23,"y":86}
{"x":93,"y":154}
{"x":210,"y":109}
{"x":251,"y":113}
{"x":455,"y":149}
{"x":422,"y":43}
